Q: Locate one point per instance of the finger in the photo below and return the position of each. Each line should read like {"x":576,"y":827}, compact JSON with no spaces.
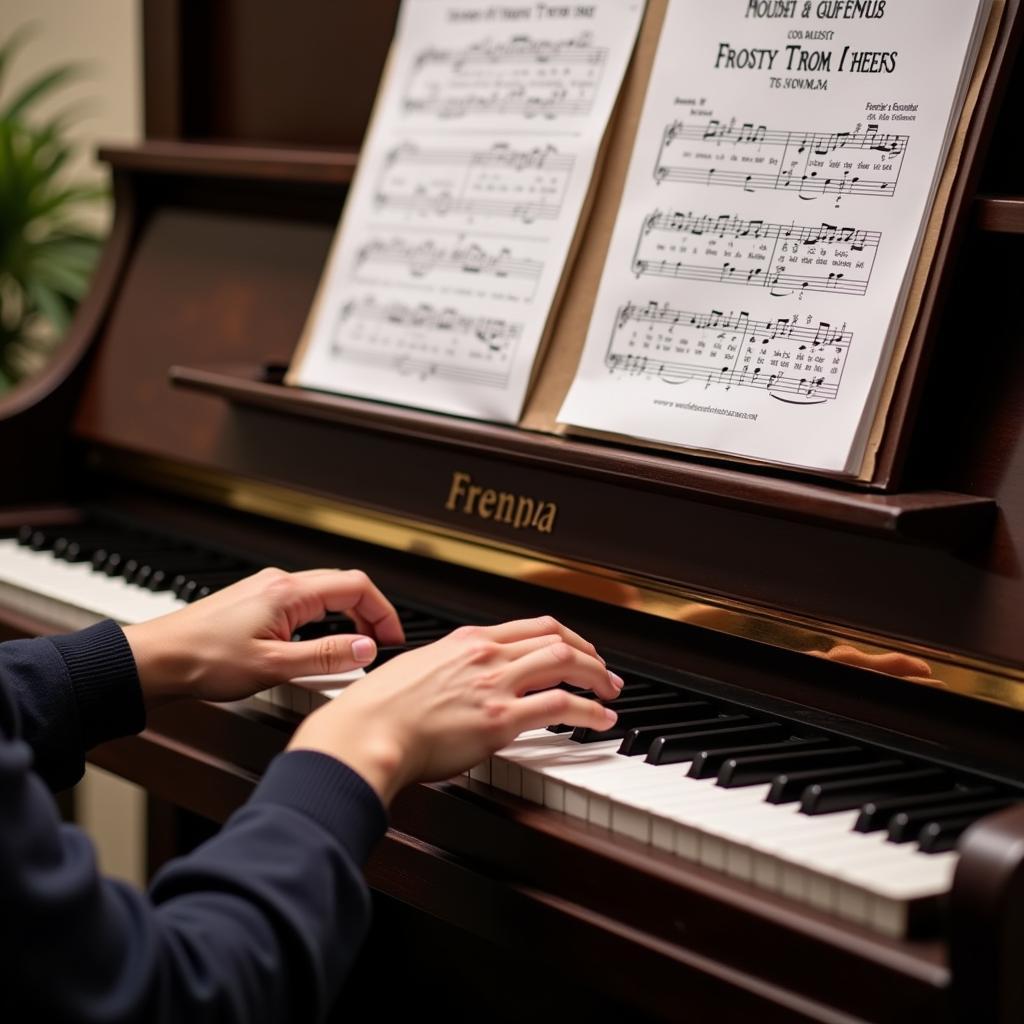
{"x":327,"y":655}
{"x":520,"y":648}
{"x":545,"y":625}
{"x":542,"y":709}
{"x":560,"y":663}
{"x":890,"y":662}
{"x":353,"y":592}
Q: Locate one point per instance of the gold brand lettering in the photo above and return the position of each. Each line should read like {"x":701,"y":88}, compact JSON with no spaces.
{"x":519,"y":511}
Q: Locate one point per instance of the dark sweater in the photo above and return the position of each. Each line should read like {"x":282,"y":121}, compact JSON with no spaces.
{"x":261,"y":923}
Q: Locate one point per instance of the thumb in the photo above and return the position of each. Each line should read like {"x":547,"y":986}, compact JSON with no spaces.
{"x":327,"y":655}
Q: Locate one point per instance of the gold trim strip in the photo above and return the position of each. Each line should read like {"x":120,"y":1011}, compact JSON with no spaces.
{"x":897,"y":658}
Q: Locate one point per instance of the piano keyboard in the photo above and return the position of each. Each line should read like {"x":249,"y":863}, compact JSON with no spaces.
{"x":73,"y":576}
{"x":832,"y":822}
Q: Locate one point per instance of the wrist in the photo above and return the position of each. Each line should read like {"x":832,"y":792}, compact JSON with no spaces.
{"x":377,"y":758}
{"x":166,"y":672}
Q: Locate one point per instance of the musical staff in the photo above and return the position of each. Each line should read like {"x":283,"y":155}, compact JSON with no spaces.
{"x":415,"y":258}
{"x":521,"y":49}
{"x":426,"y":340}
{"x":523,"y":76}
{"x":783,"y":258}
{"x":795,"y":360}
{"x":456,"y":233}
{"x":501,"y":181}
{"x":862,"y":162}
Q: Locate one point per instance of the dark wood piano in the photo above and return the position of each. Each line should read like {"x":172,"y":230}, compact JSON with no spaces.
{"x":878,"y":628}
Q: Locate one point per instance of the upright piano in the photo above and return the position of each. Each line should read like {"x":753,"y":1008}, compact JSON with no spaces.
{"x":813,"y":811}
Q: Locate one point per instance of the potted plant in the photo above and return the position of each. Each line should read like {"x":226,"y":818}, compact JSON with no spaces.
{"x":47,"y":252}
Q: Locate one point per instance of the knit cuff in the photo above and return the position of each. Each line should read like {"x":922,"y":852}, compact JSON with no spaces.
{"x":330,"y":793}
{"x":105,"y":682}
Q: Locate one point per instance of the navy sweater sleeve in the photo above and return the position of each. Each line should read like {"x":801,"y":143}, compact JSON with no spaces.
{"x":72,"y":692}
{"x":259,"y":924}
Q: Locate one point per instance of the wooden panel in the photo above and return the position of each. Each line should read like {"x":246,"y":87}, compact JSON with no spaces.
{"x":162,"y":67}
{"x":253,"y":163}
{"x":1004,"y":214}
{"x":948,"y":520}
{"x":200,"y":282}
{"x":304,"y":72}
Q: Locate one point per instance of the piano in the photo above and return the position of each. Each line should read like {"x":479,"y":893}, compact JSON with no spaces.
{"x":812,"y":808}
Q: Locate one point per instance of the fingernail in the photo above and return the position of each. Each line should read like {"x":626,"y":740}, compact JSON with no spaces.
{"x":364,"y":649}
{"x":617,"y":681}
{"x":610,"y":717}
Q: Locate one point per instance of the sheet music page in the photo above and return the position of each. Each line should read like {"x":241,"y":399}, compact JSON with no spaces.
{"x":470,"y":187}
{"x":772,"y":214}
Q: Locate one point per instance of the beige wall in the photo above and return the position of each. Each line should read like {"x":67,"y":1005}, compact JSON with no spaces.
{"x":105,"y":34}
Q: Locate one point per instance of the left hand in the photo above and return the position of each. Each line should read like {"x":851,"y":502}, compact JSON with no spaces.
{"x":237,"y":641}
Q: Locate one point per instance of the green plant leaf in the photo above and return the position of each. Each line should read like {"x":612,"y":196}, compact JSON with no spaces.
{"x":66,"y":197}
{"x":51,"y":305}
{"x":39,"y":87}
{"x":58,"y":275}
{"x":47,"y":256}
{"x":14,"y":43}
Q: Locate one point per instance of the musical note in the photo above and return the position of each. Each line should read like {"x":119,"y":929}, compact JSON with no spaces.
{"x":426,"y":340}
{"x":526,"y":185}
{"x":804,"y":167}
{"x":457,"y":262}
{"x":783,"y":258}
{"x":795,"y":361}
{"x":522,"y":76}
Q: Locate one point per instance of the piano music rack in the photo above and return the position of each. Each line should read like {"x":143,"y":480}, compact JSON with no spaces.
{"x":938,"y":518}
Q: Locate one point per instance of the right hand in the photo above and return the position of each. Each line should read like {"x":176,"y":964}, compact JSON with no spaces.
{"x":433,"y":712}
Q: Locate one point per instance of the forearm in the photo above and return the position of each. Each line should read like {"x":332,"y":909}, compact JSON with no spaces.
{"x":260,"y":924}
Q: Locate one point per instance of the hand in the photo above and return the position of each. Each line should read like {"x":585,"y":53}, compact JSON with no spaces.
{"x":438,"y":710}
{"x":891,"y":663}
{"x":238,"y":641}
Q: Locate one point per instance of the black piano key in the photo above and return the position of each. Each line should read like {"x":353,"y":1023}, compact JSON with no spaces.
{"x":41,"y":540}
{"x":114,"y":560}
{"x":139,"y":569}
{"x":632,"y":701}
{"x":626,"y":701}
{"x":906,"y":826}
{"x":639,"y":739}
{"x":709,"y":762}
{"x":53,"y":538}
{"x":156,"y":576}
{"x":388,"y":652}
{"x":847,"y":794}
{"x":327,"y":626}
{"x":877,"y":814}
{"x":686,"y":746}
{"x":789,"y":786}
{"x":641,"y":714}
{"x":942,"y":836}
{"x":635,"y":688}
{"x":216,"y":580}
{"x":755,"y":769}
{"x":78,"y":545}
{"x":196,"y":589}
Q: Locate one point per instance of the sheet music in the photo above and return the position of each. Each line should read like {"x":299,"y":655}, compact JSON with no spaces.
{"x":471,"y":184}
{"x":772,"y":215}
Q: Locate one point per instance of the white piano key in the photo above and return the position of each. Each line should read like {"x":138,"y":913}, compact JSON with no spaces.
{"x":77,"y":585}
{"x":816,"y":859}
